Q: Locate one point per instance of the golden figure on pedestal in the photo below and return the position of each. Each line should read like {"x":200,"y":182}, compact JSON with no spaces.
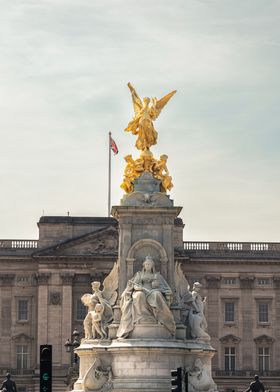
{"x":142,"y":125}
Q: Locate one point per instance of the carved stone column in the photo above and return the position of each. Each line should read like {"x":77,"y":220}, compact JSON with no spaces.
{"x":67,"y":313}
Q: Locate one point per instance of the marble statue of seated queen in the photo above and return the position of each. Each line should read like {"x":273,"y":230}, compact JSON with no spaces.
{"x":146,"y":300}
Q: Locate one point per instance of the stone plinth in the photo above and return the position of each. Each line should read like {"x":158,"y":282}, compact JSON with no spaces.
{"x":137,"y":364}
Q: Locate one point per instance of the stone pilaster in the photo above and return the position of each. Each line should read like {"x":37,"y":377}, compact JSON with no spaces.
{"x":43,"y":327}
{"x":276,"y":283}
{"x":213,"y":281}
{"x":247,"y":310}
{"x":67,"y":311}
{"x":168,"y":244}
{"x":246,"y":281}
{"x":213,"y":284}
{"x":125,"y":243}
{"x":6,"y":283}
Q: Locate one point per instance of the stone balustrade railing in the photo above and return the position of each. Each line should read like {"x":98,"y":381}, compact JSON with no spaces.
{"x":188,"y":245}
{"x":18,"y":244}
{"x":232,"y":246}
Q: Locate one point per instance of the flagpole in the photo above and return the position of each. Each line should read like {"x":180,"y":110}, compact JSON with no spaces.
{"x":109,"y":177}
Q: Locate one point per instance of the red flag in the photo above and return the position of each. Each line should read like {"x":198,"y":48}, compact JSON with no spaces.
{"x":113,"y":146}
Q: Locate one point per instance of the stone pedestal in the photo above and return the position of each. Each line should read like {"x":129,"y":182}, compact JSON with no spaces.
{"x":137,"y":364}
{"x":156,"y":343}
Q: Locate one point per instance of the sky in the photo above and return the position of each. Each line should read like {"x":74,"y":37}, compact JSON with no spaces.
{"x":64,"y":68}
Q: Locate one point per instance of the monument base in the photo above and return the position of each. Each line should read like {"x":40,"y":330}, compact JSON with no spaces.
{"x":134,"y":365}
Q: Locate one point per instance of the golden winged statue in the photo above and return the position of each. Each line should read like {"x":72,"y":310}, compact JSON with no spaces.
{"x":145,"y":113}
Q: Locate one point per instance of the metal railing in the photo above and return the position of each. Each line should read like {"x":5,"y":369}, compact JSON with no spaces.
{"x":18,"y":244}
{"x":245,"y":373}
{"x":16,"y":372}
{"x":232,"y":246}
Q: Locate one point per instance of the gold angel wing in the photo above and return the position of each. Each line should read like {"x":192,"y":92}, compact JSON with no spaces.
{"x":86,"y":299}
{"x":136,"y":100}
{"x":182,"y":286}
{"x":158,"y":105}
{"x":111,"y":284}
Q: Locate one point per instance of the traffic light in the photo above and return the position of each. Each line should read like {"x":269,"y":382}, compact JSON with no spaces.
{"x":46,"y":368}
{"x":176,"y":380}
{"x":186,"y":382}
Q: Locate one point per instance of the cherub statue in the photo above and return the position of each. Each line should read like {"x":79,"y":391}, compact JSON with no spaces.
{"x":145,"y":113}
{"x":107,"y":298}
{"x":162,"y":173}
{"x":197,"y":319}
{"x":192,"y":304}
{"x":132,"y":170}
{"x":93,"y":323}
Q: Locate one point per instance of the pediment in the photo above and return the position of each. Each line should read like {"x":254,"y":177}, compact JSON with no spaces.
{"x":230,"y":339}
{"x":21,"y":337}
{"x":264,"y":339}
{"x":101,"y":241}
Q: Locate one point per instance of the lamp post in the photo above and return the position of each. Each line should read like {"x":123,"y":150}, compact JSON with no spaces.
{"x":70,"y":346}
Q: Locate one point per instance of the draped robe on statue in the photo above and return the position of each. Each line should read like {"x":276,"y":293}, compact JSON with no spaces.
{"x":145,"y":301}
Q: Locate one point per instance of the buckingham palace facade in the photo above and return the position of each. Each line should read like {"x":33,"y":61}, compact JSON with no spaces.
{"x":42,"y":281}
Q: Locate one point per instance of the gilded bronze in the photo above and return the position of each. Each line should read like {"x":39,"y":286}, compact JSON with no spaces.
{"x":142,"y":125}
{"x":146,"y":113}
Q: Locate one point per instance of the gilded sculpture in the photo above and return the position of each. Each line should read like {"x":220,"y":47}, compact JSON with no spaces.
{"x":146,"y":163}
{"x":146,"y":112}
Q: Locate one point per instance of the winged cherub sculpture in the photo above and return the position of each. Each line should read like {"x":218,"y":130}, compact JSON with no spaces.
{"x":191,"y":303}
{"x":99,"y":317}
{"x":145,"y":113}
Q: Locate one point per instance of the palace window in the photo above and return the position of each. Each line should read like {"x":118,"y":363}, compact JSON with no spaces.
{"x":81,"y":310}
{"x":22,"y":310}
{"x":263,"y":312}
{"x":229,"y":358}
{"x":229,"y":312}
{"x":263,"y":281}
{"x":22,"y":355}
{"x":229,"y":281}
{"x":264,"y":358}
